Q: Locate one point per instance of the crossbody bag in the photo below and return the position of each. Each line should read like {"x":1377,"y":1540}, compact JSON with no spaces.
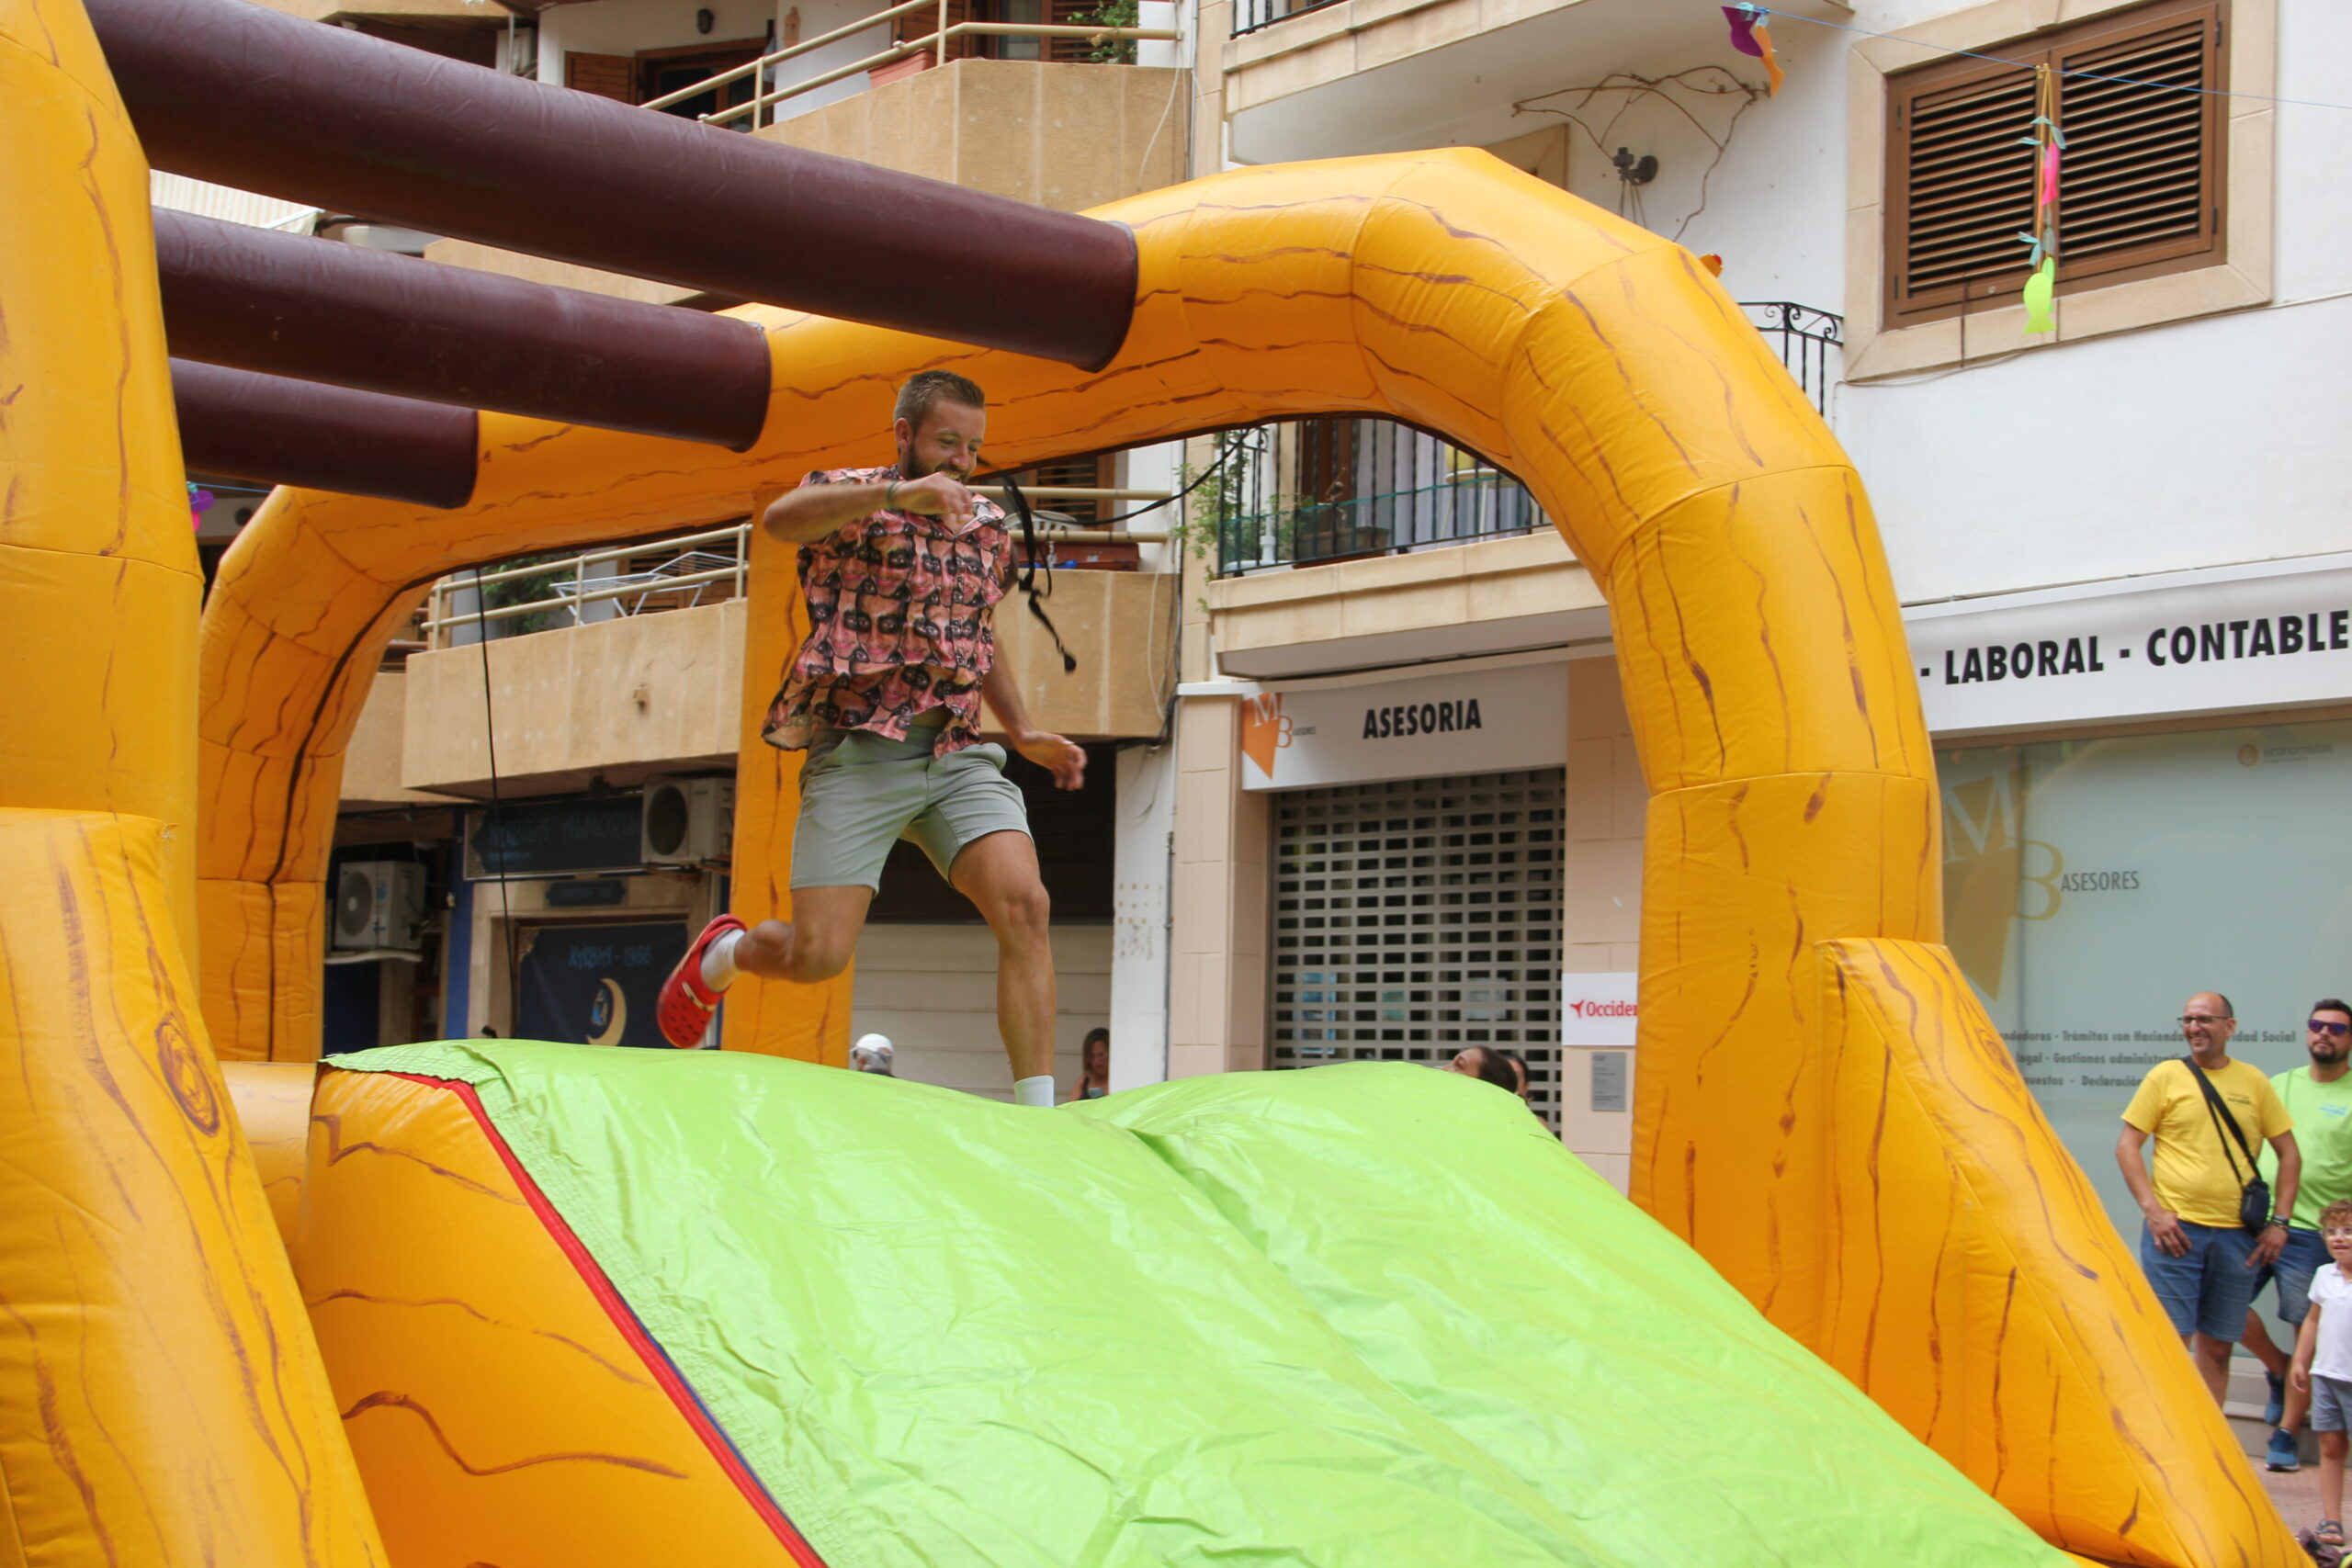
{"x":2254,"y":1194}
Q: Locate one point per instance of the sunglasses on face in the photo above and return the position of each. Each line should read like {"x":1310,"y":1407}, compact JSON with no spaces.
{"x":2185,"y":1020}
{"x":2322,"y":1026}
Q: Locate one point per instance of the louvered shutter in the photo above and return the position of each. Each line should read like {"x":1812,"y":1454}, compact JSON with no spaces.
{"x":606,"y":76}
{"x":2140,"y":186}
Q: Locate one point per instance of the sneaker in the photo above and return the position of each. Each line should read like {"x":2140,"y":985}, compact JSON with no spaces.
{"x":687,"y":1000}
{"x":2283,"y":1455}
{"x":2276,"y":1411}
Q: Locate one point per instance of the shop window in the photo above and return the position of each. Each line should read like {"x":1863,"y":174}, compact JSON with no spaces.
{"x":2140,"y":181}
{"x":2091,"y":885}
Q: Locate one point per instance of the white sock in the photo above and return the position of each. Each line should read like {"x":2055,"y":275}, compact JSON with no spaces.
{"x":719,"y":970}
{"x":1038,"y":1090}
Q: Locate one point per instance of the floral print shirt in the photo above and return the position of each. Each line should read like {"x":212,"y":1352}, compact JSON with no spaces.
{"x":900,"y":617}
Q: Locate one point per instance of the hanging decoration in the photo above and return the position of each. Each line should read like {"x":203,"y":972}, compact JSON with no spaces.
{"x":2049,"y":142}
{"x":197,"y":499}
{"x":1751,"y":37}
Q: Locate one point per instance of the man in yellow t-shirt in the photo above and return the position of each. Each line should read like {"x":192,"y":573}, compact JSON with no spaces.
{"x":2200,"y":1259}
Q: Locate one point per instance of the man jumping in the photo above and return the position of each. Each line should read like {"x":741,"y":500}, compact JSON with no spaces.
{"x":902,"y":570}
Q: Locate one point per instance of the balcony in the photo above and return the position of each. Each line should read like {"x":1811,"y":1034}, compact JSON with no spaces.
{"x":1330,"y":78}
{"x":1067,"y":113}
{"x":1303,"y":491}
{"x":620,"y":663}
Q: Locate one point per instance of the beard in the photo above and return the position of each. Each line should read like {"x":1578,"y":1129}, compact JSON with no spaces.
{"x":2330,"y":1055}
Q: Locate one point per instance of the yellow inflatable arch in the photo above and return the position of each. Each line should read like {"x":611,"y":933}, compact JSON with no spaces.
{"x":1824,"y":1110}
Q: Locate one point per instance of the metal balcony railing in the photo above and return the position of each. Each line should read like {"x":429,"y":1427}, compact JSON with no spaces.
{"x":1322,"y":489}
{"x":682,"y":573}
{"x":934,"y":43}
{"x":1248,"y":15}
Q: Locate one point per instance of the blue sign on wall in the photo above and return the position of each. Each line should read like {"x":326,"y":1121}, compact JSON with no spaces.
{"x":595,"y":984}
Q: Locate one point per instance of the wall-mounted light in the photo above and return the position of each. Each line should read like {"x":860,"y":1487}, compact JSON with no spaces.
{"x":704,"y":20}
{"x":1635,"y":171}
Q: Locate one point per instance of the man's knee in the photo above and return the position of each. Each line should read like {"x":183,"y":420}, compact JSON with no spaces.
{"x":1028,"y":908}
{"x":817,"y":955}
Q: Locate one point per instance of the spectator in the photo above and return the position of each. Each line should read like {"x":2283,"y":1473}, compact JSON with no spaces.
{"x":2200,"y":1258}
{"x":1517,"y":1072}
{"x":2322,"y":1368}
{"x":874,"y":1053}
{"x":1094,"y":1076}
{"x":1479,"y":1061}
{"x":2319,"y":1097}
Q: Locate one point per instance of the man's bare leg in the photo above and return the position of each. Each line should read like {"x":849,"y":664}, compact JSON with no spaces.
{"x":819,"y":943}
{"x":999,"y":874}
{"x":2212,"y":1358}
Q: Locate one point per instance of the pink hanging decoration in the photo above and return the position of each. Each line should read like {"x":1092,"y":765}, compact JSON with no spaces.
{"x":1751,"y":37}
{"x":2050,"y":156}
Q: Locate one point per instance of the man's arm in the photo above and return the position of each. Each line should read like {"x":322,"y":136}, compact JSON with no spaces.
{"x":800,"y":516}
{"x":2163,"y":1223}
{"x":2283,"y":1197}
{"x":1065,"y":760}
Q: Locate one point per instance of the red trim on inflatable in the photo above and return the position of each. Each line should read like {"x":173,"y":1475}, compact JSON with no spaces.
{"x":656,"y":1360}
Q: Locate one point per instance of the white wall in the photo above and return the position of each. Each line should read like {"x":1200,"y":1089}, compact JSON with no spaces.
{"x":1146,"y":815}
{"x":2207,"y":442}
{"x":932,"y":991}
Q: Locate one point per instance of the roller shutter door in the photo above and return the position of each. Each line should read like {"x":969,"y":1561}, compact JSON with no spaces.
{"x":1417,"y":917}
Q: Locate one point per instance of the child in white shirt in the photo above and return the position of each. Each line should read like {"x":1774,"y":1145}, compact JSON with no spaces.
{"x":2323,"y":1366}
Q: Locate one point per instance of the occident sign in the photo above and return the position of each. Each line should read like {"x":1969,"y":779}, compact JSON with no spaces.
{"x":2248,"y":637}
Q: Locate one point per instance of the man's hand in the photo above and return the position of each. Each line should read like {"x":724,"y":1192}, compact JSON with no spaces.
{"x":940,"y":495}
{"x":2165,"y":1226}
{"x":1063,"y":758}
{"x":2266,"y":1246}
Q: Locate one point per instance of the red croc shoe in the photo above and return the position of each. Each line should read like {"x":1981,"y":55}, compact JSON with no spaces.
{"x":688,"y":1001}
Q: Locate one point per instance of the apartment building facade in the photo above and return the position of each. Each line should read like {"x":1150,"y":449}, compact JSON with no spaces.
{"x":2120,"y":542}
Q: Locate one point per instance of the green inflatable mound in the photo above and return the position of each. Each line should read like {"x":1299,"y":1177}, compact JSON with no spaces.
{"x":1362,"y":1315}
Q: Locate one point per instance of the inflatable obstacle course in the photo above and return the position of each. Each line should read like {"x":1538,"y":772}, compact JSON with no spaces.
{"x":1823,"y":1110}
{"x":1363,"y":1315}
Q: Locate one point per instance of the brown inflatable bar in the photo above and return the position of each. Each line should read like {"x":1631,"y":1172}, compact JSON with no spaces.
{"x":247,"y":96}
{"x":287,"y":305}
{"x":274,"y":429}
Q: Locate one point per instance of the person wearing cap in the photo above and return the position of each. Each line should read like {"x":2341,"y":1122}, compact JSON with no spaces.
{"x":873,"y":1054}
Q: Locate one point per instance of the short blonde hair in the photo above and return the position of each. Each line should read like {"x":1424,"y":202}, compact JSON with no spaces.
{"x":2337,"y":1215}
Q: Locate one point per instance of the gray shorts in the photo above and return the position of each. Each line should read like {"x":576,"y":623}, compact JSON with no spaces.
{"x":861,"y":792}
{"x":2330,"y":1404}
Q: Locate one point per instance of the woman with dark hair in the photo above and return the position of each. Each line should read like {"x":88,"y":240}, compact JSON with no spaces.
{"x":1483,"y":1063}
{"x":1094,"y":1078}
{"x":1517,"y":1072}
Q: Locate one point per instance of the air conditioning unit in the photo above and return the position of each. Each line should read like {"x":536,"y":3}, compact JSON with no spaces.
{"x":379,"y":905}
{"x":687,"y":821}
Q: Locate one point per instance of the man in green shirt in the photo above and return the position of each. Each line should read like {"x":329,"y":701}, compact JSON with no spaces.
{"x":2320,"y":1099}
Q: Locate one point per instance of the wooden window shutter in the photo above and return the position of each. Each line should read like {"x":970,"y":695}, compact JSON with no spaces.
{"x":606,"y":76}
{"x":2140,"y":189}
{"x":1074,"y":473}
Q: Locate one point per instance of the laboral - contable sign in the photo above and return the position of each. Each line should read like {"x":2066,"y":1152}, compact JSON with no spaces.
{"x":2205,"y":641}
{"x":1473,"y":721}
